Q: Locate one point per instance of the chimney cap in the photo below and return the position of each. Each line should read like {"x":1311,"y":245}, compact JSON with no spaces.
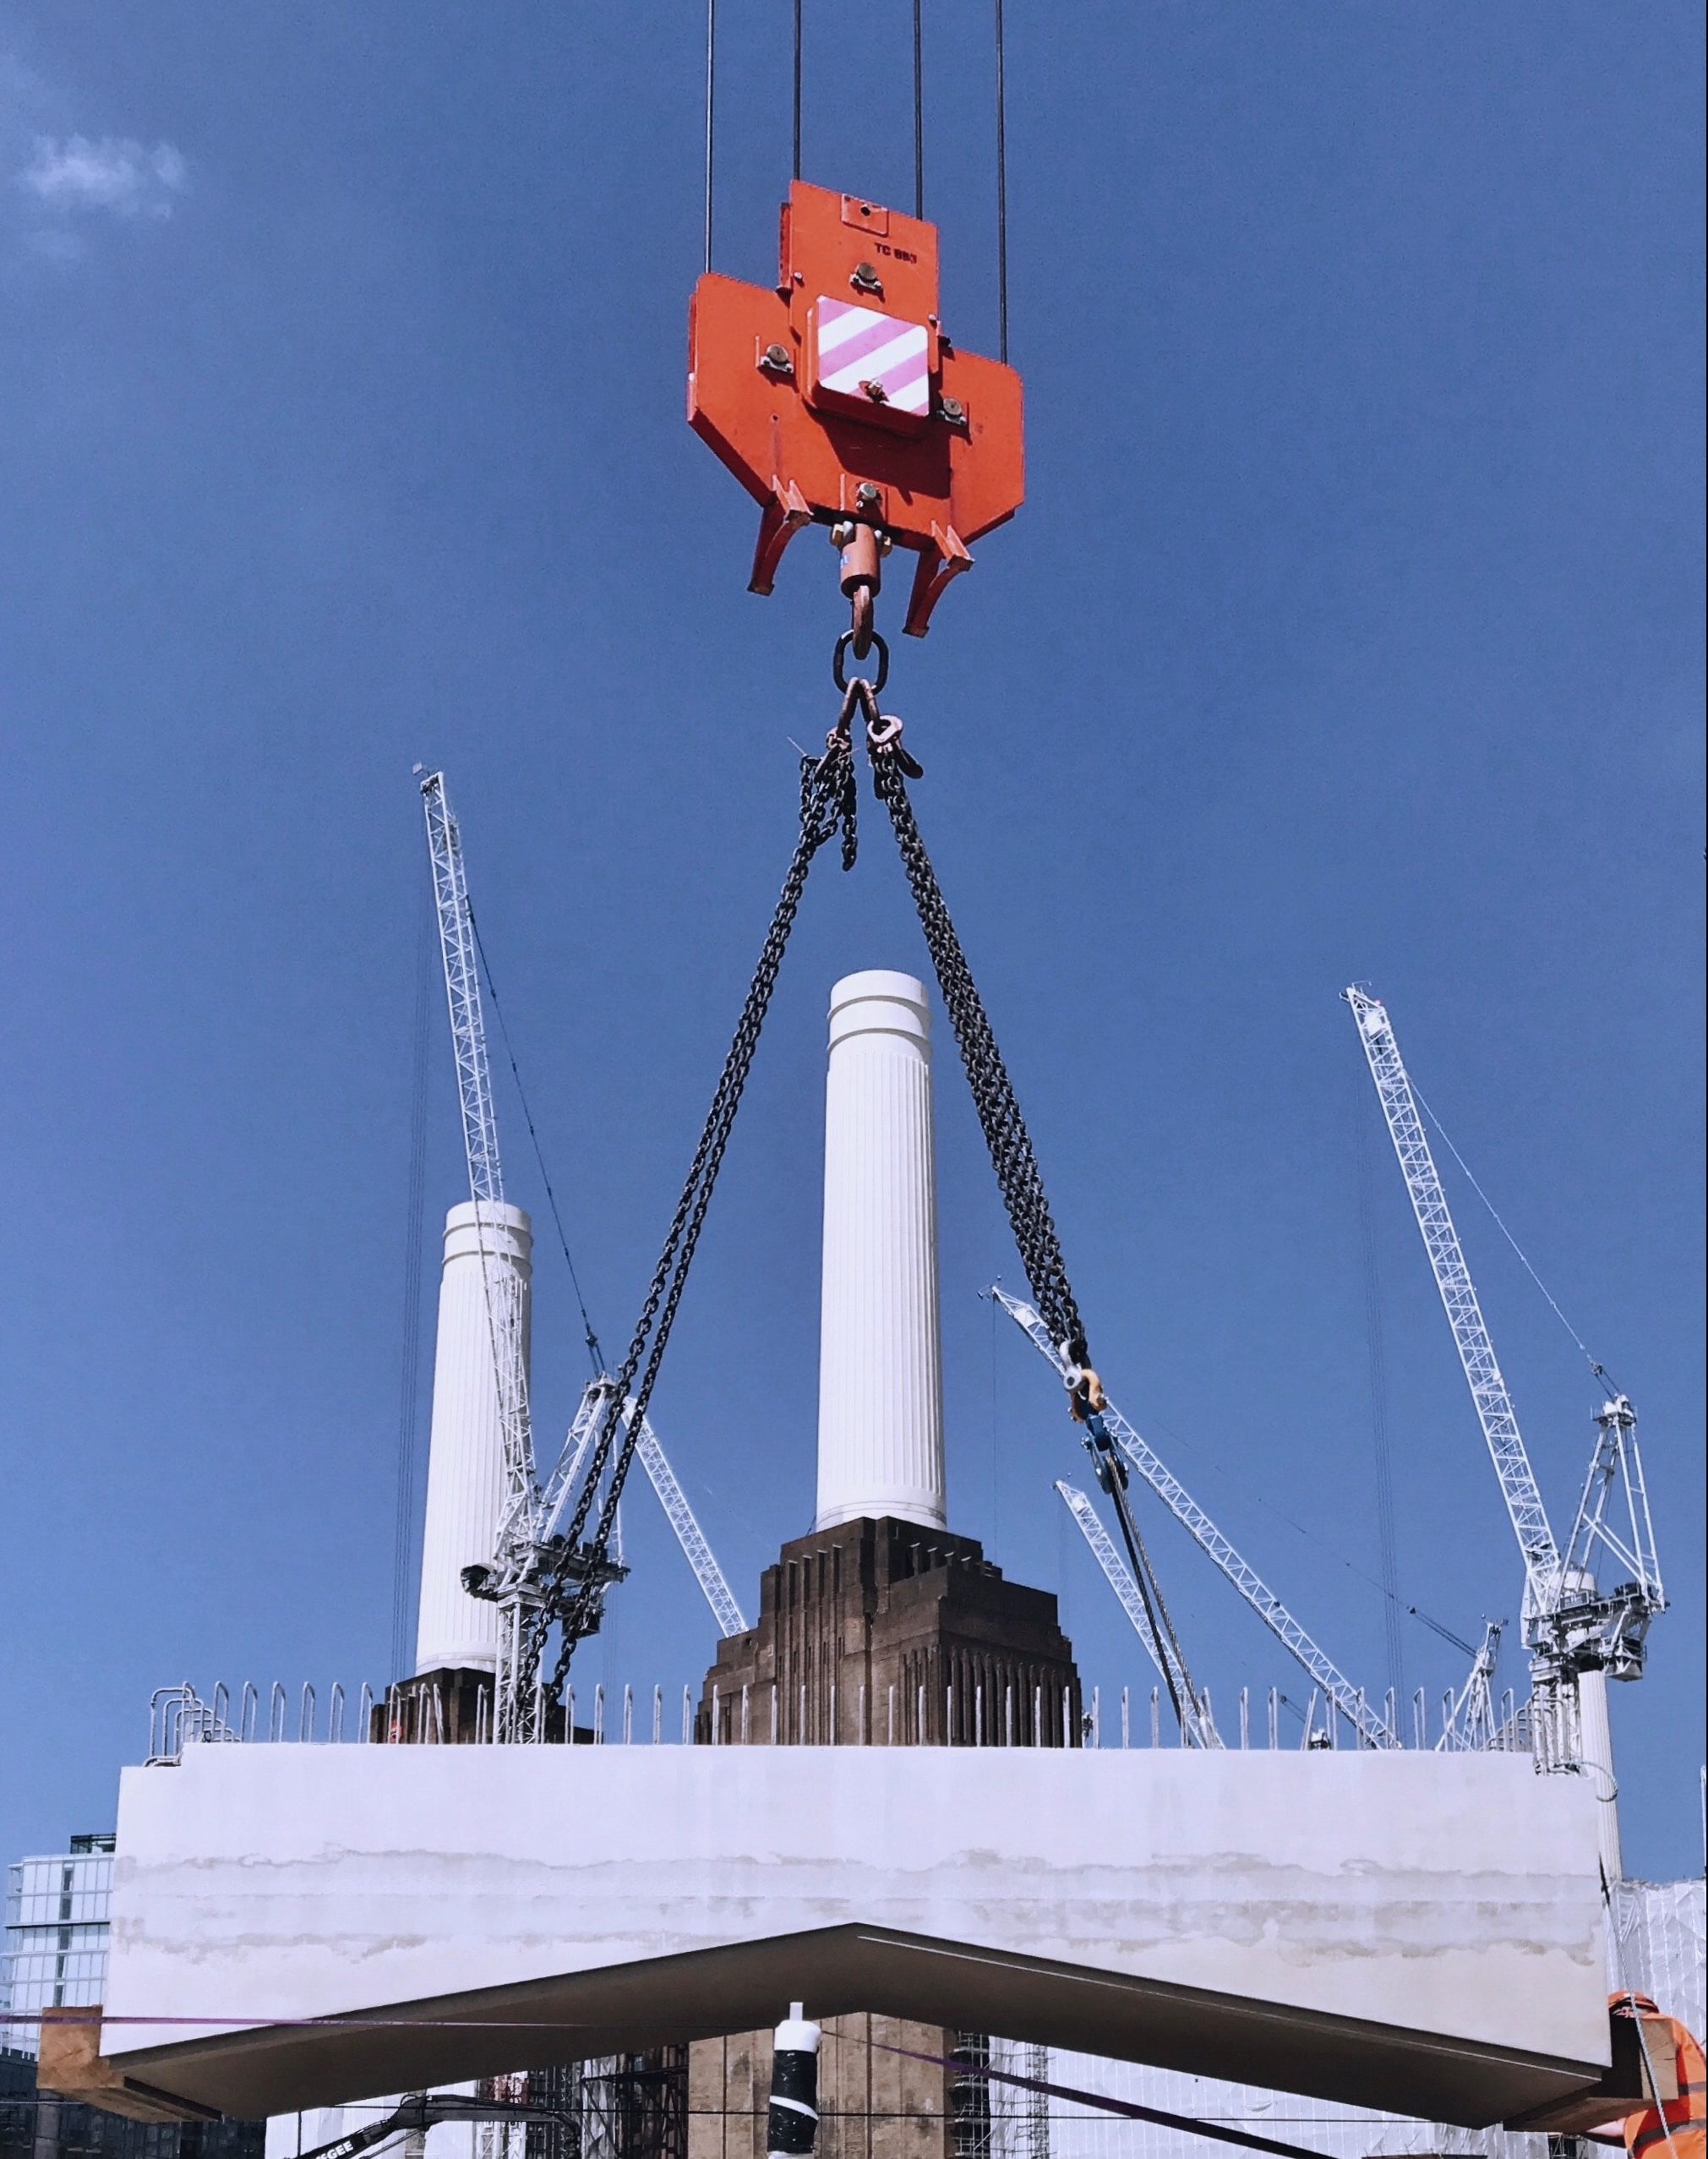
{"x":880,"y":1001}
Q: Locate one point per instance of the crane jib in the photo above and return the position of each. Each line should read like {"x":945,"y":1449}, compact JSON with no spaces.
{"x":1351,"y":1701}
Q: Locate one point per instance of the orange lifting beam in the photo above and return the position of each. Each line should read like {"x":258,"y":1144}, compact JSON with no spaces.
{"x":837,"y":398}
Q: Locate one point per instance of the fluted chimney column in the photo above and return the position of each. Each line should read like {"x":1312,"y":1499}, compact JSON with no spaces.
{"x":465,"y":1461}
{"x":880,"y":1381}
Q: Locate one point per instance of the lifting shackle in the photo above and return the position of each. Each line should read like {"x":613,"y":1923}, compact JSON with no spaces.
{"x":836,"y":398}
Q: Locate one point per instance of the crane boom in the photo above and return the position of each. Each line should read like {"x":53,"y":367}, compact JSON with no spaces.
{"x":1348,"y":1699}
{"x":501,"y":1286}
{"x":1199,"y":1732}
{"x":713,"y":1583}
{"x":1488,"y":1389}
{"x":561,"y":1483}
{"x":422,"y":2111}
{"x":688,"y":1534}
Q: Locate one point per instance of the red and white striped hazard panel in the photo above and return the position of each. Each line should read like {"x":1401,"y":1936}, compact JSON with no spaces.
{"x":872,"y":358}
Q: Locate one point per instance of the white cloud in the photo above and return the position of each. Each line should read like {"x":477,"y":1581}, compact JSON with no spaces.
{"x":74,"y":172}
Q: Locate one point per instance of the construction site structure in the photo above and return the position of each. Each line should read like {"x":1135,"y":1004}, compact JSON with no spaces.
{"x":495,"y":1565}
{"x":1579,"y":1636}
{"x":1350,"y":1701}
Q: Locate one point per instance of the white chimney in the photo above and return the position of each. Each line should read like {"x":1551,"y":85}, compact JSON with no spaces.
{"x":465,"y":1462}
{"x":880,"y":1377}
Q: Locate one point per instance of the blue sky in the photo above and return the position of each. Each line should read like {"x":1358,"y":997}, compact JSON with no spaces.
{"x":1350,"y":630}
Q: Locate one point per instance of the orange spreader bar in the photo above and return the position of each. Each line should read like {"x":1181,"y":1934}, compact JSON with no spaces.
{"x":835,"y":397}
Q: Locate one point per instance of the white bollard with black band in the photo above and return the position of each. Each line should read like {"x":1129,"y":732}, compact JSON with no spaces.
{"x":792,"y":2119}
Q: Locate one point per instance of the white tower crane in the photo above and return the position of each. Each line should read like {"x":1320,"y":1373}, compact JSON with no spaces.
{"x":713,"y":1583}
{"x":1372,"y":1729}
{"x":1577,"y":1636}
{"x":527,"y":1544}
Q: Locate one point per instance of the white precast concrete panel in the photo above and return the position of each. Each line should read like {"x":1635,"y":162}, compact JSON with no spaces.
{"x":880,"y":1375}
{"x":465,"y":1464}
{"x":1204,"y":1911}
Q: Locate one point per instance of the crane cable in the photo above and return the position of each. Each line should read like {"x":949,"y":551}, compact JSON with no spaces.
{"x":1001,"y":188}
{"x":1599,"y":1369}
{"x":1001,"y":42}
{"x":589,"y":1334}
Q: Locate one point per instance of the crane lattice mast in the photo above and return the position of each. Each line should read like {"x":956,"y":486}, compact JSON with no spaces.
{"x":1469,"y":1725}
{"x":1489,"y":1392}
{"x":1351,"y":1701}
{"x":713,"y":1585}
{"x":1199,"y":1730}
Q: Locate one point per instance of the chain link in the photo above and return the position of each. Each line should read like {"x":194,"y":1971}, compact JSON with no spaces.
{"x":993,"y":1094}
{"x":826,"y":798}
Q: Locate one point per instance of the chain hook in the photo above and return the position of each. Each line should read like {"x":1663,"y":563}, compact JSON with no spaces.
{"x":863,"y":606}
{"x":884,"y":743}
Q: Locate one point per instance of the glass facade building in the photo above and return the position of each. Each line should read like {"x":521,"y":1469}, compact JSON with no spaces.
{"x":54,"y":1955}
{"x":54,"y":1951}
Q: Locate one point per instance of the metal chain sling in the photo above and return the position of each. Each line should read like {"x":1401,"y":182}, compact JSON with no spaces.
{"x":1005,"y":1131}
{"x":1022,"y":1186}
{"x":829,"y":803}
{"x":827,"y":806}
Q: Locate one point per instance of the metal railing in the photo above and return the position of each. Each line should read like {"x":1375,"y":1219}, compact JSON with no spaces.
{"x":180,"y":1718}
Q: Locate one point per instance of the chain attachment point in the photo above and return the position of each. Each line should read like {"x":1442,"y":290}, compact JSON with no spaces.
{"x":849,"y":642}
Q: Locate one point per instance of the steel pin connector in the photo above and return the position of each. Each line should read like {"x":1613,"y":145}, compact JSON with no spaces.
{"x":862,"y":576}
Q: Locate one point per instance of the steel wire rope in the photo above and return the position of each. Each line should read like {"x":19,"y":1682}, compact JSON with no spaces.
{"x":710,"y":108}
{"x":1599,"y":1369}
{"x":826,"y":787}
{"x":590,"y":1334}
{"x":797,"y":88}
{"x":1174,"y":1676}
{"x":919,"y":109}
{"x":1212,"y":2127}
{"x":415,"y":1236}
{"x":1001,"y":188}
